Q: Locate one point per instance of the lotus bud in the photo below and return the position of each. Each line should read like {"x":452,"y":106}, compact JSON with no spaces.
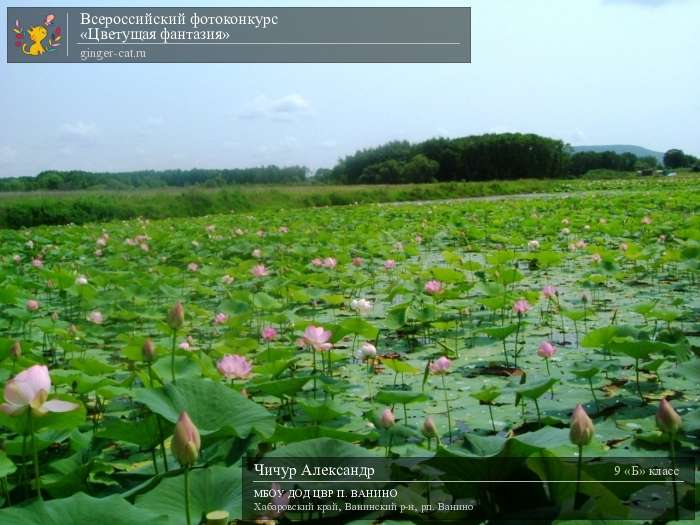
{"x":668,"y":419}
{"x":72,"y":330}
{"x":149,"y":350}
{"x":186,"y":442}
{"x":387,"y":418}
{"x":16,"y":350}
{"x":176,"y":316}
{"x":582,"y":428}
{"x":429,"y":429}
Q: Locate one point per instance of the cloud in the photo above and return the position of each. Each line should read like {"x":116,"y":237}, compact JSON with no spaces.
{"x":78,"y":130}
{"x":329,"y":144}
{"x":288,"y":107}
{"x":643,"y":3}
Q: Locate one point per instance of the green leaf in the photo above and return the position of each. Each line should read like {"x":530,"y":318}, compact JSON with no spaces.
{"x":212,"y":488}
{"x":80,"y":509}
{"x":534,"y":390}
{"x":389,"y":397}
{"x":212,"y":407}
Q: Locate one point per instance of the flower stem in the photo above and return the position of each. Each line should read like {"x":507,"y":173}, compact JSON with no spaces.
{"x":36,"y":457}
{"x":578,"y":476}
{"x":597,"y":406}
{"x":673,"y":467}
{"x":447,"y":406}
{"x":172,"y":356}
{"x":187,"y":495}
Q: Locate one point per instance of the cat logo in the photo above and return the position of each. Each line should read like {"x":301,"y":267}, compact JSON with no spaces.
{"x":39,"y":41}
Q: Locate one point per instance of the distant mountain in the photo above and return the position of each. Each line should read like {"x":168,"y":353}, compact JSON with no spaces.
{"x":622,"y":148}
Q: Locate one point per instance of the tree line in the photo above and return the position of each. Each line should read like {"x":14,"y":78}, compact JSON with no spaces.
{"x":82,"y":180}
{"x":494,"y":156}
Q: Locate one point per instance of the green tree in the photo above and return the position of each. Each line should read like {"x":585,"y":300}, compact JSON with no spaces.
{"x":674,"y":158}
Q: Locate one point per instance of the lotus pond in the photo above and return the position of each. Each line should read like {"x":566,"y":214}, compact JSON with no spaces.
{"x":458,"y":329}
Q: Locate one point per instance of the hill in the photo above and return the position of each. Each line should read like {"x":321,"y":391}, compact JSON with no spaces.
{"x":622,"y":148}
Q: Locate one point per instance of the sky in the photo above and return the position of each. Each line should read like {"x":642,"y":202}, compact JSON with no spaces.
{"x":584,"y":71}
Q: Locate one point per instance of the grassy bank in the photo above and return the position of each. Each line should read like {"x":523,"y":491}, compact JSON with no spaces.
{"x":19,"y":210}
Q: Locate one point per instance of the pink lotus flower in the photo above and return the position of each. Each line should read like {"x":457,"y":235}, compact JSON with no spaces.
{"x":398,"y":246}
{"x":549,"y":292}
{"x":16,"y":259}
{"x":330,"y":262}
{"x":582,"y":429}
{"x":646,"y":220}
{"x":95,"y":317}
{"x":32,"y":305}
{"x":186,"y":442}
{"x":434,"y":287}
{"x":81,"y":280}
{"x":429,"y":428}
{"x":234,"y":367}
{"x":317,"y":338}
{"x":220,"y":318}
{"x":533,"y":244}
{"x":260,"y":233}
{"x":283,"y":229}
{"x":268,"y":334}
{"x":624,"y":247}
{"x":440,"y":366}
{"x":357,"y":261}
{"x":596,"y":258}
{"x":259,"y":270}
{"x":192,"y":267}
{"x":257,"y":253}
{"x":418,"y":239}
{"x":546,"y":350}
{"x":317,"y":262}
{"x":667,"y":419}
{"x":30,"y":389}
{"x":521,"y":306}
{"x":185,"y":345}
{"x":387,"y":419}
{"x":37,"y":263}
{"x":227,"y":279}
{"x":389,"y":264}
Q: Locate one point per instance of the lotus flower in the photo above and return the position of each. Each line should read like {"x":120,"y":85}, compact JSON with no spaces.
{"x":81,"y":280}
{"x":546,"y":350}
{"x":330,"y":262}
{"x":227,"y":279}
{"x":389,"y":264}
{"x":257,"y":253}
{"x":668,"y":419}
{"x":387,"y":419}
{"x":234,"y":367}
{"x":434,"y":287}
{"x":357,"y":261}
{"x":268,"y":333}
{"x":521,"y":306}
{"x":95,"y":317}
{"x":366,"y":351}
{"x":148,"y":351}
{"x":582,"y":428}
{"x":32,"y":305}
{"x":220,"y":318}
{"x":429,"y":428}
{"x":30,"y":388}
{"x":259,"y":270}
{"x":176,"y":316}
{"x":186,"y":442}
{"x":549,"y":292}
{"x":361,"y":306}
{"x":440,"y":366}
{"x":317,"y":262}
{"x":317,"y":337}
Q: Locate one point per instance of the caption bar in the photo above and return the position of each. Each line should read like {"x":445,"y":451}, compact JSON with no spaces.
{"x":458,"y":489}
{"x":219,"y":35}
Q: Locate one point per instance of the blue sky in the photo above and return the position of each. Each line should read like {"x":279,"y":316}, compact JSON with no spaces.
{"x":585,"y":71}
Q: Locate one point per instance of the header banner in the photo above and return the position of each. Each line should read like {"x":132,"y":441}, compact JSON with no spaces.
{"x":39,"y":35}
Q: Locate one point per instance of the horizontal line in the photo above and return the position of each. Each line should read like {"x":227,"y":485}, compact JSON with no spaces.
{"x":269,"y":43}
{"x":474,"y":481}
